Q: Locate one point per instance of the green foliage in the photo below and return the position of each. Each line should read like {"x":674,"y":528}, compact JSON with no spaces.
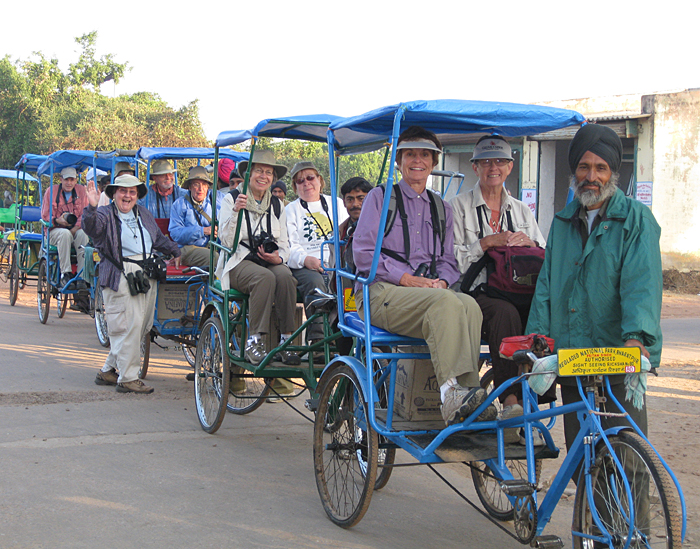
{"x":290,"y":151}
{"x":43,"y":109}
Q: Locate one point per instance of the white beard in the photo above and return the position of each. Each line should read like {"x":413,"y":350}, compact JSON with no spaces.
{"x":589,"y":198}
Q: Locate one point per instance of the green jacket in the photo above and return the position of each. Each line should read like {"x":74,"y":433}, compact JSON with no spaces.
{"x":608,"y":292}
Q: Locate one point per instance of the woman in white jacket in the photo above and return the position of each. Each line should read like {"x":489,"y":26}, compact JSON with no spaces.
{"x":257,"y":265}
{"x":309,"y":224}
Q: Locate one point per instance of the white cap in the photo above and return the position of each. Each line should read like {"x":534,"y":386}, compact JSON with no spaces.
{"x":90,"y":173}
{"x":69,"y":172}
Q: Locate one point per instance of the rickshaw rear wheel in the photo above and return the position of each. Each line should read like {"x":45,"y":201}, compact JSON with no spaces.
{"x":188,"y":352}
{"x":13,"y":275}
{"x":144,"y":355}
{"x":100,"y":320}
{"x":43,"y":292}
{"x":61,"y":304}
{"x":211,"y":375}
{"x":345,"y":487}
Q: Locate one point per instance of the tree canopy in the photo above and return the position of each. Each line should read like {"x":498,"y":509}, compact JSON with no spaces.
{"x":43,"y":109}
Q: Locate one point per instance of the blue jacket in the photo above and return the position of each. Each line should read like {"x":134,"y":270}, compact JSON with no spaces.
{"x":187,"y":226}
{"x":607,"y":292}
{"x":158,"y":205}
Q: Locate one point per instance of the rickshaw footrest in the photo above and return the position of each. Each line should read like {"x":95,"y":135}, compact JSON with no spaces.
{"x":547,"y":542}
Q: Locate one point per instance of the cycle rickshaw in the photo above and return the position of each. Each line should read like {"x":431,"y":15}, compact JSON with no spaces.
{"x":223,"y":378}
{"x":184,"y":293}
{"x":49,"y":275}
{"x":626,"y":497}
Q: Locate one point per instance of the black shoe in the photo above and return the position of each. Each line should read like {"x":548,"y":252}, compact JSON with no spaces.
{"x":81,"y":284}
{"x":65,"y":279}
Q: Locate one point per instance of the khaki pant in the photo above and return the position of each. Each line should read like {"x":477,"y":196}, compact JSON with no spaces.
{"x":265,"y":286}
{"x":63,"y":240}
{"x":197,"y":256}
{"x":128,"y":318}
{"x":449,"y":322}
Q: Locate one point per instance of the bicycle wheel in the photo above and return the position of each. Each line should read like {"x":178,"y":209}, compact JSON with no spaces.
{"x":145,"y":355}
{"x":488,"y":488}
{"x":100,"y":319}
{"x":189,"y":351}
{"x":657,"y":514}
{"x":43,"y":292}
{"x":61,"y":304}
{"x":211,"y":375}
{"x":344,"y":487}
{"x":13,"y":275}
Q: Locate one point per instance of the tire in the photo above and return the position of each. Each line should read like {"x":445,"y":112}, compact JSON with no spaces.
{"x":488,"y":488}
{"x":344,"y":487}
{"x":100,"y":319}
{"x":145,"y":355}
{"x":43,"y":292}
{"x":656,"y":527}
{"x":211,"y":375}
{"x":13,"y":275}
{"x":61,"y":304}
{"x":189,"y":352}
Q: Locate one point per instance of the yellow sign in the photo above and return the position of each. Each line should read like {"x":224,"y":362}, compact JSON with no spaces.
{"x":349,"y":300}
{"x":599,"y":361}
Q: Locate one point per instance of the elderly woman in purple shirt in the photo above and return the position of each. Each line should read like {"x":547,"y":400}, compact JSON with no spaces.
{"x":404,"y":302}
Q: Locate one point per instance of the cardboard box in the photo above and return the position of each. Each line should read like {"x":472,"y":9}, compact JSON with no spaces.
{"x":417,"y":395}
{"x":172,"y":301}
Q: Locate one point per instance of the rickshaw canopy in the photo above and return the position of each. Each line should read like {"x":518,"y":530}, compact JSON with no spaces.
{"x":30,"y":162}
{"x":448,"y":117}
{"x":311,"y":127}
{"x":82,"y":160}
{"x":12,"y":174}
{"x":152,"y":153}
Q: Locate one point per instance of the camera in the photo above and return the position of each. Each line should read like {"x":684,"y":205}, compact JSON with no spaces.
{"x":155,"y":268}
{"x":423,"y":271}
{"x":71,"y":219}
{"x":138,"y":283}
{"x":266,"y":240}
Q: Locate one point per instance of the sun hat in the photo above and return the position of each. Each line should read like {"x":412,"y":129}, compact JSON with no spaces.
{"x":264,"y":157}
{"x":69,"y":172}
{"x":492,"y":147}
{"x":418,"y":144}
{"x":124,"y":167}
{"x":126,"y":180}
{"x":161,"y":167}
{"x":197,"y":173}
{"x":299,"y":167}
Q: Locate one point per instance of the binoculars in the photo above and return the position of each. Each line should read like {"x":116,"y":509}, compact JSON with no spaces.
{"x":138,"y":283}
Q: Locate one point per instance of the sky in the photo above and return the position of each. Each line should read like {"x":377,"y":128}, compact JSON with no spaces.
{"x":246,"y":61}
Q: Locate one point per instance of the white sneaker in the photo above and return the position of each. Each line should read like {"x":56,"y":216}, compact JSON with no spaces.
{"x":537,"y":438}
{"x":512,"y":435}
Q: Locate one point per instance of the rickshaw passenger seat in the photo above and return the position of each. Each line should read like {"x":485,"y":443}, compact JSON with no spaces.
{"x":354,"y":321}
{"x":31,"y":214}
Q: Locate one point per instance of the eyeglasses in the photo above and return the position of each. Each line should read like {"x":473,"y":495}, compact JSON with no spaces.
{"x":260,"y":171}
{"x":488,"y":161}
{"x":307,"y":179}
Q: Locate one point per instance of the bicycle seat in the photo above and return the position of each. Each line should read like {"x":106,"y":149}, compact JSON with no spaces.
{"x":320,"y":300}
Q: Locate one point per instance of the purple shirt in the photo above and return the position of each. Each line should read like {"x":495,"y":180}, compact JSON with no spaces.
{"x":421,"y":235}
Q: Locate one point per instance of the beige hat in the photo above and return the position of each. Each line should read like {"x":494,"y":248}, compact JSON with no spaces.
{"x":69,"y":172}
{"x":126,"y":180}
{"x":161,"y":167}
{"x":197,"y":172}
{"x":123,"y":167}
{"x":264,"y":157}
{"x":301,"y":166}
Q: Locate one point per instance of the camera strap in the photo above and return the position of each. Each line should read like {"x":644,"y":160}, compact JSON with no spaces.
{"x":324,"y":205}
{"x":120,"y":265}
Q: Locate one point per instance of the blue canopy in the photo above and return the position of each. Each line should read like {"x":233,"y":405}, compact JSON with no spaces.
{"x":151,"y":153}
{"x":449,"y":117}
{"x":30,"y":162}
{"x":82,"y":160}
{"x":311,"y":127}
{"x":12,"y":174}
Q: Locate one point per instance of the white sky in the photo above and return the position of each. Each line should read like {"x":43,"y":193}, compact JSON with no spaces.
{"x":247,"y":60}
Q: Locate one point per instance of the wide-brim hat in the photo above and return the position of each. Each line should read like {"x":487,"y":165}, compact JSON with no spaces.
{"x":126,"y":180}
{"x":197,"y":172}
{"x":495,"y":147}
{"x":161,"y":167}
{"x":418,"y":144}
{"x":123,"y":166}
{"x":300,"y":167}
{"x":264,"y":157}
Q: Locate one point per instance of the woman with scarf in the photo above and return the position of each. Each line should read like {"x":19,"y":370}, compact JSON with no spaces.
{"x":255,"y":268}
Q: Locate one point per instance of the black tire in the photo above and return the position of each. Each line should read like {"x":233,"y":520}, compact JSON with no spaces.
{"x":100,"y":319}
{"x":655,"y":501}
{"x":13,"y":275}
{"x":211,"y":375}
{"x":43,"y":292}
{"x":488,"y":488}
{"x":61,"y":304}
{"x":344,"y":485}
{"x":144,"y":355}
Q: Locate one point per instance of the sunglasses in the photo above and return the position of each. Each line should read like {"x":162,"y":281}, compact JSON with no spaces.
{"x":307,"y":179}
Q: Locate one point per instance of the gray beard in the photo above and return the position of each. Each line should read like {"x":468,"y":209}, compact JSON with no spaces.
{"x":591,"y":198}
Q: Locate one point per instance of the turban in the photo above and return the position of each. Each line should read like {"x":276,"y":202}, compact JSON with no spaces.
{"x":225,"y":167}
{"x":601,"y":141}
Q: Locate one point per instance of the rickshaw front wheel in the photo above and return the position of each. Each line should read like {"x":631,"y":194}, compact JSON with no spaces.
{"x":43,"y":292}
{"x":211,"y":375}
{"x":145,"y":354}
{"x":13,"y":275}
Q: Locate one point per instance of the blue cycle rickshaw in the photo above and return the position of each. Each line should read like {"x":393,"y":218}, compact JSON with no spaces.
{"x":182,"y":296}
{"x":49,"y":273}
{"x":626,"y":497}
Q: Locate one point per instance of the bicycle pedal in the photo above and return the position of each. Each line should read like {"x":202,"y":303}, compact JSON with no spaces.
{"x":517,"y":487}
{"x":547,"y":542}
{"x":311,"y":404}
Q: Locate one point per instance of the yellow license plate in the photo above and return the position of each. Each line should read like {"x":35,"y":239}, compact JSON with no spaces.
{"x":349,"y":300}
{"x":95,"y":256}
{"x":599,"y":361}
